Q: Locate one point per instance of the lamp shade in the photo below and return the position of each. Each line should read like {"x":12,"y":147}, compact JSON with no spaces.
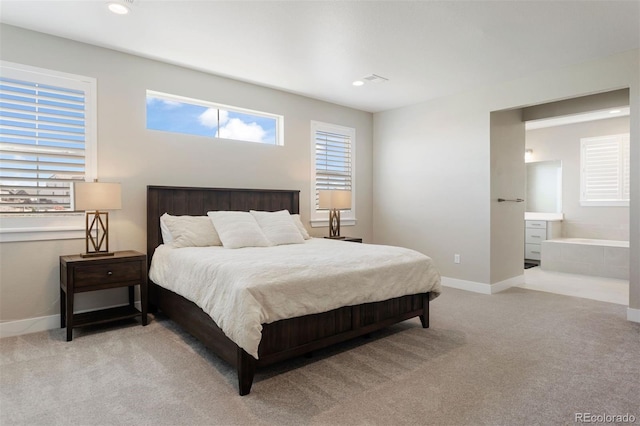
{"x":334,"y":199}
{"x":97,"y":196}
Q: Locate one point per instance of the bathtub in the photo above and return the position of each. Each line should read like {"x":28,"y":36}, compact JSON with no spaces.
{"x":604,"y":258}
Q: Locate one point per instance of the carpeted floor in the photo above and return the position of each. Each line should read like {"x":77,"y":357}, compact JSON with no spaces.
{"x":513,"y":358}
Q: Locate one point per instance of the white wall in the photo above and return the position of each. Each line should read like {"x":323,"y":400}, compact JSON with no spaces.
{"x":130,"y":154}
{"x":432,"y":165}
{"x":563,"y":143}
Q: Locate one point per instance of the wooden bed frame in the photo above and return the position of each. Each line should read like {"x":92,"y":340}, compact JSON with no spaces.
{"x":283,"y":339}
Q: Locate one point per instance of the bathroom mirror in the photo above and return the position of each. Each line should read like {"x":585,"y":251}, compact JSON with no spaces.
{"x":544,"y":187}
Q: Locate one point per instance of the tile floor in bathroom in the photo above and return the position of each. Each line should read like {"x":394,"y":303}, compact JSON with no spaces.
{"x":589,"y":287}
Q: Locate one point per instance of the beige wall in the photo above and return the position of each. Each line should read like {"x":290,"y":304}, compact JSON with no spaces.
{"x":432,"y":174}
{"x":431,"y":183}
{"x":577,"y":105}
{"x":507,"y":182}
{"x":130,"y":154}
{"x":563,"y":143}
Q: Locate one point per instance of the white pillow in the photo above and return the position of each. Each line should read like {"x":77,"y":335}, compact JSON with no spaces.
{"x":189,"y":231}
{"x":238,"y":229}
{"x":278,"y":227}
{"x":298,"y":222}
{"x":164,"y":229}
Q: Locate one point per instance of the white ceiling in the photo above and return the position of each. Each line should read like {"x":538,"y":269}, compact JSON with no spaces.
{"x":426,"y":49}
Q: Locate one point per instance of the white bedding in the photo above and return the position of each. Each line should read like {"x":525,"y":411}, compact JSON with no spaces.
{"x":244,"y":288}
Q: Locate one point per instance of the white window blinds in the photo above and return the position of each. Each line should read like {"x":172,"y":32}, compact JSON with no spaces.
{"x":333,"y":161}
{"x":604,"y":178}
{"x":43,"y":139}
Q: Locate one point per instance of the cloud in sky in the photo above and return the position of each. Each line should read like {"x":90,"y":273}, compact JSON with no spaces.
{"x":238,"y":129}
{"x":231,"y":128}
{"x":166,"y":103}
{"x":209,"y":118}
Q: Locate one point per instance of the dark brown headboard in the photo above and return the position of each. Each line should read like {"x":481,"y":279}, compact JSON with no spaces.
{"x":198,"y":201}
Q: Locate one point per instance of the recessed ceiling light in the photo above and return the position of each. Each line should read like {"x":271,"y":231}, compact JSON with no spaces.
{"x":614,"y":111}
{"x":118,"y":8}
{"x":358,"y":83}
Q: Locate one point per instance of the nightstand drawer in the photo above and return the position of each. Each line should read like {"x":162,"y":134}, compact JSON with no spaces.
{"x":92,"y":275}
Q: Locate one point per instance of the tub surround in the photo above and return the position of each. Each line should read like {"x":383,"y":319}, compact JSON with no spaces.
{"x":610,"y":230}
{"x":604,"y":258}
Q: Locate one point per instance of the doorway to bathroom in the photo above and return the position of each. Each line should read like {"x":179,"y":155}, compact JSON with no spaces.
{"x":557,"y":208}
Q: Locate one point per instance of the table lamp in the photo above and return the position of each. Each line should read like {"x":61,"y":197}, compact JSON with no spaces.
{"x":334,"y":200}
{"x":94,"y":198}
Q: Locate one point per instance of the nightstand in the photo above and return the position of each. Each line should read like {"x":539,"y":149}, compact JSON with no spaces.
{"x":350,"y":239}
{"x":78,"y":274}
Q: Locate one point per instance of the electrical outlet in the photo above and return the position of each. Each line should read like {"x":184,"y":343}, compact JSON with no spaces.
{"x":456,"y":258}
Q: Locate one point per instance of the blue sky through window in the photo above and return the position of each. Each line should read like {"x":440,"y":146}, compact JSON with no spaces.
{"x":170,"y":115}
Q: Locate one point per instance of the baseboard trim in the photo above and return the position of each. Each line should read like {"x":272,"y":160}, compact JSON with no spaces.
{"x":29,"y":325}
{"x":482,"y":288}
{"x":472,"y":286}
{"x":633,"y":315}
{"x":34,"y":325}
{"x":508,"y":283}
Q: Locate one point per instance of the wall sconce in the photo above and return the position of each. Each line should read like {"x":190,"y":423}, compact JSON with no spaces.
{"x":334,"y":200}
{"x":528,"y":155}
{"x":93,"y":198}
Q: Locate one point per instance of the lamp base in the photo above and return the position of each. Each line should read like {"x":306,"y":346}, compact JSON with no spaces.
{"x":97,"y":234}
{"x":334,"y":223}
{"x":97,"y":254}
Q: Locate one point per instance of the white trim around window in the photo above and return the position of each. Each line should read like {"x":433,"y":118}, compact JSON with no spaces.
{"x":180,"y":114}
{"x":346,"y":159}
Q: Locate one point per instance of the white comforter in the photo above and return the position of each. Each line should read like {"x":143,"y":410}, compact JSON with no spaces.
{"x":244,"y":288}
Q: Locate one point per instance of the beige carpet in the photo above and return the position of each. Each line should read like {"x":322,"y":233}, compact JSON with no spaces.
{"x":518,"y":357}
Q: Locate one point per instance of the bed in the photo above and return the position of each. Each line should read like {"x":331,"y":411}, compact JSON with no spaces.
{"x":281,"y":339}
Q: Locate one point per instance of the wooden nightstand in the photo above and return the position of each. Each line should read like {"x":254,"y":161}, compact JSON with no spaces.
{"x":350,"y":239}
{"x":78,"y":274}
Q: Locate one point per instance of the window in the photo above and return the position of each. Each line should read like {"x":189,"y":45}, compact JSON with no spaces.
{"x":171,"y":113}
{"x":333,"y":149}
{"x":604,"y":174}
{"x":47,"y":141}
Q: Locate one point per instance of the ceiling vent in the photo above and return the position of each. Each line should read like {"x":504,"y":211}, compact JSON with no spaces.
{"x":373,"y":78}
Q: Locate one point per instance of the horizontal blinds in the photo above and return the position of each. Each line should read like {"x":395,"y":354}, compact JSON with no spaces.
{"x":605,"y":168}
{"x":42,"y":145}
{"x":333,"y":161}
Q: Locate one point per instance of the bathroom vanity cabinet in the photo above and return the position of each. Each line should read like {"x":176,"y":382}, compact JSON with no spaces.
{"x":538,"y":229}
